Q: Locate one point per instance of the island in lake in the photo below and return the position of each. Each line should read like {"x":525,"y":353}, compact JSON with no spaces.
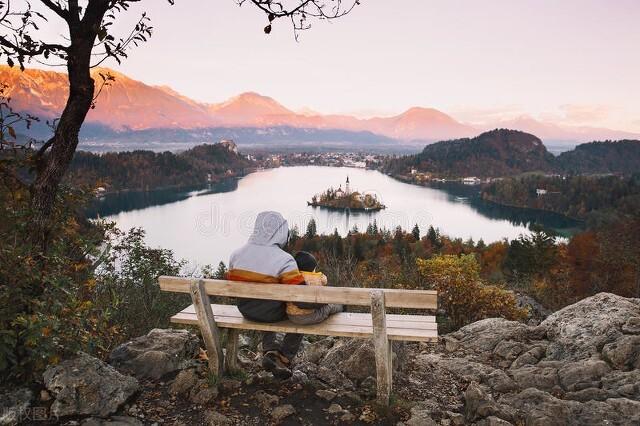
{"x":346,"y":199}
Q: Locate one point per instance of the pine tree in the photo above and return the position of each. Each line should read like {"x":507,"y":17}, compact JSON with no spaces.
{"x":311,"y":229}
{"x":416,"y":232}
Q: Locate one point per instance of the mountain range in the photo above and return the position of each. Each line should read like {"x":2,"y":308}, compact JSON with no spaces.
{"x":128,"y":108}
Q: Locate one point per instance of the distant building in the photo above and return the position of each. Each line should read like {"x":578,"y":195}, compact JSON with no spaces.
{"x":230,"y":145}
{"x":540,"y":192}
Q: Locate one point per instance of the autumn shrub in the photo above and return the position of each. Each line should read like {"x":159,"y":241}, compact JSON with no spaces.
{"x":89,"y":289}
{"x":463,"y":294}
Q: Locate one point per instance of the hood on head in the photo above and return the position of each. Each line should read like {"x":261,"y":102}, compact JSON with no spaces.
{"x":270,"y":229}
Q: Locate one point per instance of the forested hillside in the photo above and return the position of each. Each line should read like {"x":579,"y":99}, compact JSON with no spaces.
{"x":500,"y":152}
{"x":602,"y":157}
{"x":147,"y":170}
{"x":504,"y":152}
{"x":595,"y":199}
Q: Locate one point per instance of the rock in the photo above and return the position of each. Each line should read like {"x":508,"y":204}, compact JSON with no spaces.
{"x":229,"y":385}
{"x":327,"y":395}
{"x":624,"y":353}
{"x":509,"y":350}
{"x":545,"y":378}
{"x":348,"y":418}
{"x":580,"y":330}
{"x":479,"y":404}
{"x":623,"y":383}
{"x":87,"y":386}
{"x":314,"y":352}
{"x":471,"y":371}
{"x":421,"y":414}
{"x":158,"y":353}
{"x":541,"y":408}
{"x":355,"y":358}
{"x":113,"y":421}
{"x":333,"y":377}
{"x":632,"y":326}
{"x":282,"y":412}
{"x":184,"y":381}
{"x":298,"y":376}
{"x":484,"y":336}
{"x":537,"y":312}
{"x":589,"y":394}
{"x":575,"y":376}
{"x":202,"y":393}
{"x":14,"y":406}
{"x":493,"y":421}
{"x":368,"y":387}
{"x":457,"y":419}
{"x":213,"y":418}
{"x":335,"y":409}
{"x":530,"y":357}
{"x":265,"y":401}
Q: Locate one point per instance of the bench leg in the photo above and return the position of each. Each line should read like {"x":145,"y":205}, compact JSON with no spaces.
{"x":208,"y":327}
{"x":231,"y":357}
{"x":382,"y":347}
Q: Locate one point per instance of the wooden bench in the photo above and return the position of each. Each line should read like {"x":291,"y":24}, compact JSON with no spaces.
{"x":378,"y":325}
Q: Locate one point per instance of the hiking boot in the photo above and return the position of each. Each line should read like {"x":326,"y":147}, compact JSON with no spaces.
{"x":277,"y":364}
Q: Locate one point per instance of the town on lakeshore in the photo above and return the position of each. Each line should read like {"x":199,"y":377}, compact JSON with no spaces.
{"x":346,"y":199}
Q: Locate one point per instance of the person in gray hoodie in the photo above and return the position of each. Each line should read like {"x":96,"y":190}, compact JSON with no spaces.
{"x":263,"y":260}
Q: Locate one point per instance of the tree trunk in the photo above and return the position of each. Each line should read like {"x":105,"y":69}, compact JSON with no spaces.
{"x":54,"y":165}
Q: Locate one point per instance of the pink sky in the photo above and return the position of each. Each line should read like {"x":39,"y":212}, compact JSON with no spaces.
{"x":570,"y":61}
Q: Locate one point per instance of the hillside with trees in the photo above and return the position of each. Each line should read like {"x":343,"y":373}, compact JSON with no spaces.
{"x":602,"y":157}
{"x":595,"y":199}
{"x":500,"y":152}
{"x":504,"y":152}
{"x":143,"y":170}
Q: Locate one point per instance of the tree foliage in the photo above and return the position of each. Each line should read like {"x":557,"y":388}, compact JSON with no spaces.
{"x":463,"y":294}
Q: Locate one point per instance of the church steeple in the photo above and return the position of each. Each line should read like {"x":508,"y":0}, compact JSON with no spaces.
{"x":347,"y":186}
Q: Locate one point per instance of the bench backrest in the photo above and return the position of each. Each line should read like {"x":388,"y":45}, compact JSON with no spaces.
{"x":414,"y":299}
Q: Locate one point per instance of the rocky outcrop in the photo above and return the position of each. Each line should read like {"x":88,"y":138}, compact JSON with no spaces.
{"x":84,"y":385}
{"x":580,"y":366}
{"x":158,"y":353}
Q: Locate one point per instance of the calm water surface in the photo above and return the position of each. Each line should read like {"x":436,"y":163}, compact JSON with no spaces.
{"x":204,"y":226}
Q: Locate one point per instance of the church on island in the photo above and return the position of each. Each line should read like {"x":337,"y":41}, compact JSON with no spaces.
{"x":339,"y":199}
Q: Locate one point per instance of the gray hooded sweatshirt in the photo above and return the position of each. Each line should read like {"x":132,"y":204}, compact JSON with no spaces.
{"x":263,"y":260}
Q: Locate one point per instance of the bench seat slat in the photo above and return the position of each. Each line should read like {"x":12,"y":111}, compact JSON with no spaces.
{"x":410,"y":331}
{"x":416,"y":299}
{"x":346,"y":317}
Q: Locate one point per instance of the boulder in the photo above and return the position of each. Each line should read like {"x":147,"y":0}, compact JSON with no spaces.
{"x":581,"y":330}
{"x":632,"y":326}
{"x":421,"y":416}
{"x":14,"y":406}
{"x":85,"y":385}
{"x":537,"y":407}
{"x":479,"y":405}
{"x":487,"y":375}
{"x":314,"y":352}
{"x":184,"y":382}
{"x":355,"y":358}
{"x":545,"y":378}
{"x":282,"y":412}
{"x":483,"y":336}
{"x":213,"y":418}
{"x":624,"y":353}
{"x":576,"y":376}
{"x":112,"y":421}
{"x":158,"y":353}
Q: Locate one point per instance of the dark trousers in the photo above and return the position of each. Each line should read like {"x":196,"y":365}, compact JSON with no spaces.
{"x":289,"y":346}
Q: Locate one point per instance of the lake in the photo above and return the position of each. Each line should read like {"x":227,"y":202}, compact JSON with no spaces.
{"x":204,"y":225}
